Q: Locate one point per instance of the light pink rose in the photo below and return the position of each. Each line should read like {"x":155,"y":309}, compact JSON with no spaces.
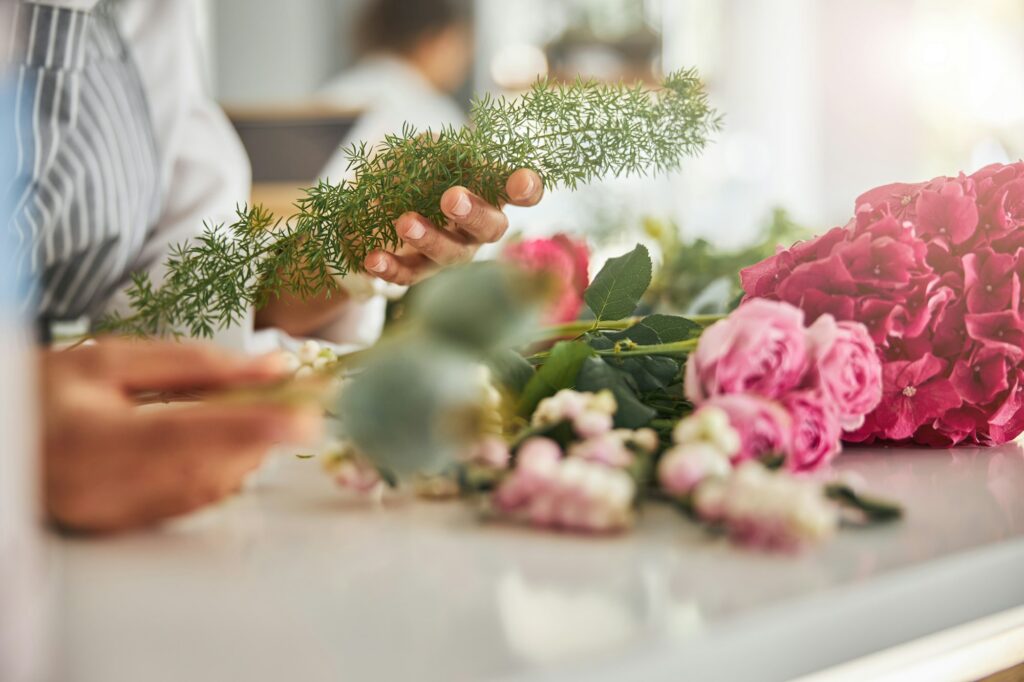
{"x":761,"y":348}
{"x":571,"y":493}
{"x":764,"y":427}
{"x":846,"y":368}
{"x":607,"y":448}
{"x":536,"y":463}
{"x":815,"y":439}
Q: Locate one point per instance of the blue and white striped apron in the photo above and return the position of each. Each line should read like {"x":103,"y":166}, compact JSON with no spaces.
{"x":88,"y":186}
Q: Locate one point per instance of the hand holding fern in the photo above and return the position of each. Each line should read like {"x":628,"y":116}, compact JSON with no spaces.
{"x":471,"y":222}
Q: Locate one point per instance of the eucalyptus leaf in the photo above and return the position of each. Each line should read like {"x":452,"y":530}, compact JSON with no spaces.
{"x":597,"y":375}
{"x":479,"y":306}
{"x":617,"y":288}
{"x":413,"y":407}
{"x":558,"y":372}
{"x":511,"y":370}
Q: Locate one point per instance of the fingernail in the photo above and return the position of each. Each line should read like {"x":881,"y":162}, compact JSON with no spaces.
{"x":531,"y":184}
{"x":462,"y":206}
{"x":377,"y":265}
{"x":415,"y":230}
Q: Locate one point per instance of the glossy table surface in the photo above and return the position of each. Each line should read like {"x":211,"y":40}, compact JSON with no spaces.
{"x":292,"y":580}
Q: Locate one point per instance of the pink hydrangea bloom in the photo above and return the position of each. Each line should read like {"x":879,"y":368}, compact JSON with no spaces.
{"x":932,"y":270}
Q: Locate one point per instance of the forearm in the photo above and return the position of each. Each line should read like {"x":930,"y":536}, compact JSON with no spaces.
{"x":302,"y":316}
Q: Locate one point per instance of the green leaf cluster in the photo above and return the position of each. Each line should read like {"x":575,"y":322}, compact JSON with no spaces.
{"x":568,"y":133}
{"x":692,"y":270}
{"x":640,"y":363}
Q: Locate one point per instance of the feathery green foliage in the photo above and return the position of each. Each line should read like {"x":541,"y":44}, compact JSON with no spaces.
{"x":569,"y":134}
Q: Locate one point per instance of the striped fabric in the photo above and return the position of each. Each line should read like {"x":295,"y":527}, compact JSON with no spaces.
{"x":87,"y":192}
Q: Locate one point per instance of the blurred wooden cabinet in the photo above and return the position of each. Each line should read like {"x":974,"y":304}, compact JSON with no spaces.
{"x":288,"y":148}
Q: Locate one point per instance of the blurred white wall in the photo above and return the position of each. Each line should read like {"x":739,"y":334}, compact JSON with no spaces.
{"x":273,"y":52}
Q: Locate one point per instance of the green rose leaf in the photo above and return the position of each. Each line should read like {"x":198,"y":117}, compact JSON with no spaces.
{"x":651,"y":373}
{"x":597,"y":375}
{"x":655,"y":329}
{"x":617,"y":289}
{"x":558,"y":372}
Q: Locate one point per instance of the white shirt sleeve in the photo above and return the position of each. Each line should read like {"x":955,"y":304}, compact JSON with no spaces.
{"x":204,"y":169}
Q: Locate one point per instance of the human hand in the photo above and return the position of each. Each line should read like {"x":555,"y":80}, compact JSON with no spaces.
{"x":471,"y":223}
{"x":110,"y":465}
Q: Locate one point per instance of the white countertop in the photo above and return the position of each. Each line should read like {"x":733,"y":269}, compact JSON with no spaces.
{"x":293,"y":581}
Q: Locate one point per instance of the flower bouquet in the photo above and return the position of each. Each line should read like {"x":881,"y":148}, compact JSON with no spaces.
{"x":574,"y":426}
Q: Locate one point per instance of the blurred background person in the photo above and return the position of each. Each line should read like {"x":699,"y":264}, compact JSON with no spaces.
{"x":414,"y":57}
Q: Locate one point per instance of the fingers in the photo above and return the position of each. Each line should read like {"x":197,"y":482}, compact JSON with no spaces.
{"x":133,"y":490}
{"x":524,"y":188}
{"x":129,"y":469}
{"x":165,"y":365}
{"x":443,"y":247}
{"x":481,"y":222}
{"x":403,"y":270}
{"x":217,"y":431}
{"x":472,"y":221}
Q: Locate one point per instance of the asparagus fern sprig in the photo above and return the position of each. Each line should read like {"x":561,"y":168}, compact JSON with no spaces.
{"x":568,"y":133}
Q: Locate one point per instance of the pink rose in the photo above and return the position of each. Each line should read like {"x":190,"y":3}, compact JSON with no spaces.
{"x":846,"y":368}
{"x":815,"y":438}
{"x":764,"y":427}
{"x":761,"y":348}
{"x":563,"y":258}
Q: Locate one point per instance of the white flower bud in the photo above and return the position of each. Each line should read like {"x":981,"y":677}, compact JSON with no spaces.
{"x":308,"y":352}
{"x":646,"y":439}
{"x":603,"y":401}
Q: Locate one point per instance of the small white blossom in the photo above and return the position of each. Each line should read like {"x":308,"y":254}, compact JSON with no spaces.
{"x":570,"y":493}
{"x":709,"y":425}
{"x":774,"y":510}
{"x":683,"y":467}
{"x":308,"y":352}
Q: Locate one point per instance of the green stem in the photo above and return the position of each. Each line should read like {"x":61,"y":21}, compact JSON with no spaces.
{"x":573,"y":329}
{"x":578,"y":327}
{"x":674,"y":348}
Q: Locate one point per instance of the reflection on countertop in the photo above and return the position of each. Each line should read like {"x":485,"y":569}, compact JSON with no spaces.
{"x":292,"y":580}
